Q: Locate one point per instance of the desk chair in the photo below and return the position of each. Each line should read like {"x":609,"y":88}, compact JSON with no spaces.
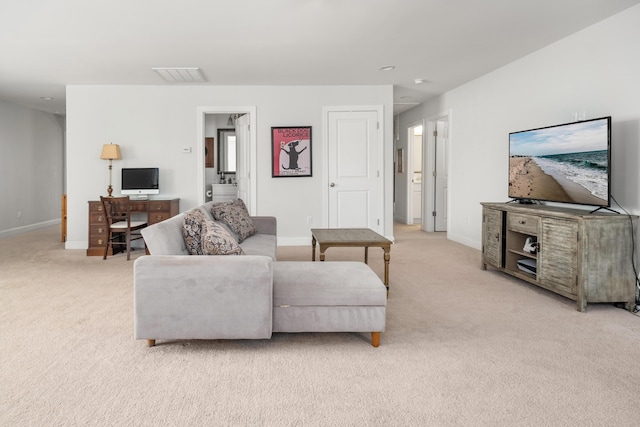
{"x":122,"y":231}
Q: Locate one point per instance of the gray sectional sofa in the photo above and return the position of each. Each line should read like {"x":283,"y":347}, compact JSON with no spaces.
{"x":182,"y":296}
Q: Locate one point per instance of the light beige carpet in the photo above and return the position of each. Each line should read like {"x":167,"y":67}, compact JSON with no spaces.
{"x":462,"y":347}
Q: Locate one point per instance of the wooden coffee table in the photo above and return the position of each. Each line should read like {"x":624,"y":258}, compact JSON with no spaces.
{"x":351,"y":237}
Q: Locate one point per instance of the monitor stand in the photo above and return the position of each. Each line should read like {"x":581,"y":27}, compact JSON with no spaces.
{"x":604,"y":207}
{"x":524,"y":202}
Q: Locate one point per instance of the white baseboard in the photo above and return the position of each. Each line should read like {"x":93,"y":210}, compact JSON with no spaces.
{"x":26,"y":228}
{"x":465,"y":241}
{"x":75,"y":244}
{"x":294,"y":241}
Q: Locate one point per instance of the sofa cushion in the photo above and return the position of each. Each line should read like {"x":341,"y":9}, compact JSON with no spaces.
{"x":260,"y":244}
{"x":236,"y":216}
{"x":338,"y":283}
{"x":216,"y":240}
{"x":192,"y":230}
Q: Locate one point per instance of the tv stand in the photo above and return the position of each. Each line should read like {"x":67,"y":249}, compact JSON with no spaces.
{"x":584,"y":256}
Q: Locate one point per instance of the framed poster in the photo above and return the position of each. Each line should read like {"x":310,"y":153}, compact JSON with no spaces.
{"x":290,"y":151}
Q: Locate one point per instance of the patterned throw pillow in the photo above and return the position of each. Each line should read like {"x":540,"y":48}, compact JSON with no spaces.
{"x":192,"y":231}
{"x":216,"y":240}
{"x":236,"y":216}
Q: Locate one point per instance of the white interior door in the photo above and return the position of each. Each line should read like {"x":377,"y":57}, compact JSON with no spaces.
{"x":441,"y":175}
{"x":354,"y":198}
{"x":243,"y":140}
{"x":415,"y":133}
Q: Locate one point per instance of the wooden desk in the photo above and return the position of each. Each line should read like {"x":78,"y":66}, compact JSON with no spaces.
{"x":351,"y":237}
{"x":156,"y":210}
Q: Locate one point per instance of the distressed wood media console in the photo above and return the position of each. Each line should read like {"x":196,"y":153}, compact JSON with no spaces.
{"x":587,"y":257}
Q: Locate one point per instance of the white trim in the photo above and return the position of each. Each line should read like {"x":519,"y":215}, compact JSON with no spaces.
{"x":31,"y":227}
{"x":296,"y":241}
{"x":428,"y":221}
{"x":76,"y":244}
{"x":379,"y":109}
{"x":253,"y":150}
{"x":409,"y":184}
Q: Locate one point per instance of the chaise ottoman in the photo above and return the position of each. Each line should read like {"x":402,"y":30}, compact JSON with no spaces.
{"x":328,"y":297}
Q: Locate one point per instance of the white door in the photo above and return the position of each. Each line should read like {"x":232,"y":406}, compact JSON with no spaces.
{"x":243,"y":139}
{"x":354,"y":175}
{"x":441,"y":175}
{"x":416,"y":173}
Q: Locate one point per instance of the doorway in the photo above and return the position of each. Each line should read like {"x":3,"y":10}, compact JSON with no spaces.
{"x":416,"y":161}
{"x":245,"y":129}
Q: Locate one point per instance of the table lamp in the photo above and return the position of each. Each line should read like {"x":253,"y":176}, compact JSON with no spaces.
{"x":110,"y":152}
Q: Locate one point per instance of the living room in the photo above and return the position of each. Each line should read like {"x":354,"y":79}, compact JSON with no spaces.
{"x":591,"y":73}
{"x":570,"y":78}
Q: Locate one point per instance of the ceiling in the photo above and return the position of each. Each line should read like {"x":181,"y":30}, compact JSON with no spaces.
{"x":47,"y":44}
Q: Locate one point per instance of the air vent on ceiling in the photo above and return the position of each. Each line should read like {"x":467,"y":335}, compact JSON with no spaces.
{"x":181,"y":75}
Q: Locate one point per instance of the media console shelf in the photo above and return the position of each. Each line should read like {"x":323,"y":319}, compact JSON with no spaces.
{"x":584,"y":256}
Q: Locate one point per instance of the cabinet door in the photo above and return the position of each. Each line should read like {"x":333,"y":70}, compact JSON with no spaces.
{"x":557,"y":257}
{"x":492,"y":237}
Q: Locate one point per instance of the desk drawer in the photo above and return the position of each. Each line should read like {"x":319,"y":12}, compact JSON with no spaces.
{"x":160,"y":205}
{"x":523,"y":223}
{"x":158,"y":217}
{"x":97,"y":218}
{"x":97,"y":241}
{"x":98,"y":230}
{"x":137,"y":206}
{"x":95,"y":207}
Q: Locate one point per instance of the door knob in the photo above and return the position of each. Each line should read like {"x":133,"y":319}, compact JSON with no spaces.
{"x":333,"y":184}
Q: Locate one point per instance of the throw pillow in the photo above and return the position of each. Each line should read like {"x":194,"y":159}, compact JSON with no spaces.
{"x":192,"y":230}
{"x":216,"y":240}
{"x":236,"y":216}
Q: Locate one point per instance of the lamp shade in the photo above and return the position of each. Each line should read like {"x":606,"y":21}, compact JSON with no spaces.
{"x":110,"y":152}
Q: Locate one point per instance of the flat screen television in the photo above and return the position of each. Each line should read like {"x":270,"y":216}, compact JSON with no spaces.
{"x":140,"y":181}
{"x":566,"y":163}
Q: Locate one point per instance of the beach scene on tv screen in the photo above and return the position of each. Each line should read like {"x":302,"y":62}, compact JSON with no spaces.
{"x":566,"y":163}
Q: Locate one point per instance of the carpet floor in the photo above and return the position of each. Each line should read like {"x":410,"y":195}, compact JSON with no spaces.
{"x":462,"y":347}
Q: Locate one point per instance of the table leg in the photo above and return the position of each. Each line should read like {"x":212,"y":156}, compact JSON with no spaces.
{"x":313,"y":248}
{"x":387,"y":258}
{"x":366,"y":254}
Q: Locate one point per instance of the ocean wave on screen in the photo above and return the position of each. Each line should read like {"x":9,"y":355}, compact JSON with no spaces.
{"x":589,"y":175}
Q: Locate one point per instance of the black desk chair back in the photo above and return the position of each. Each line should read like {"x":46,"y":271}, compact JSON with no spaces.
{"x":122,"y":230}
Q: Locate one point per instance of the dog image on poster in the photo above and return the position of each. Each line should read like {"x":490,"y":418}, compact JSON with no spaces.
{"x":291,"y":151}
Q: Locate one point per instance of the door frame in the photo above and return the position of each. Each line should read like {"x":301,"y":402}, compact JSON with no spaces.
{"x":428,"y":184}
{"x":379,"y":162}
{"x":251,"y":152}
{"x":409,"y":184}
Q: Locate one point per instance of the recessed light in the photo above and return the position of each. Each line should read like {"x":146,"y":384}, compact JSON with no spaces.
{"x":406,"y":97}
{"x":46,"y":98}
{"x":388,"y":68}
{"x":419,"y":81}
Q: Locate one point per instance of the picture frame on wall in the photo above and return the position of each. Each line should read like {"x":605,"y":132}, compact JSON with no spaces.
{"x":290,"y":151}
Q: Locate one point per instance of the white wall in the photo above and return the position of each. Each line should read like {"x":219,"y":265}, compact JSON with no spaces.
{"x":153,"y":124}
{"x":595,"y":72}
{"x":31,"y":168}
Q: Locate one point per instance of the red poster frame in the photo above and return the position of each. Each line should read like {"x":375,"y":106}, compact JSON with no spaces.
{"x":291,"y":151}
